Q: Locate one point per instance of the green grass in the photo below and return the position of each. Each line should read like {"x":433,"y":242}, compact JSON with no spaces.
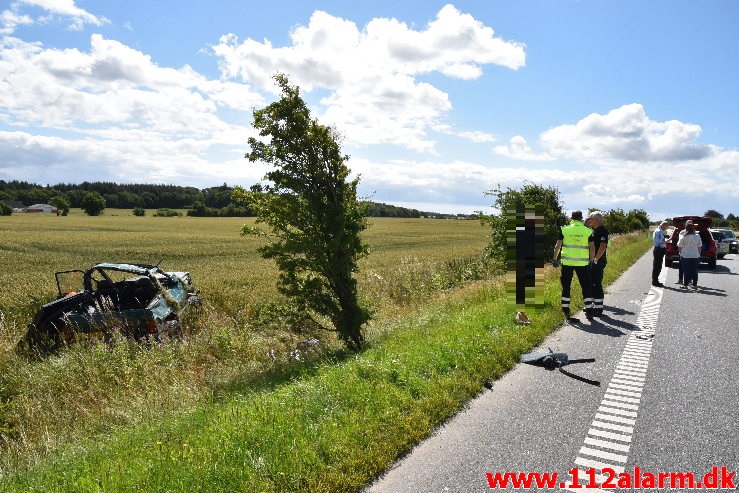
{"x":86,"y":390}
{"x":328,"y":423}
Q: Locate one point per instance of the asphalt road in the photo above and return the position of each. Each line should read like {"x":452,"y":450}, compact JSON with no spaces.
{"x":668,"y":363}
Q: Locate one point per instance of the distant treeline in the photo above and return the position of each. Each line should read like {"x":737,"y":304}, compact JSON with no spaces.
{"x":213,"y":201}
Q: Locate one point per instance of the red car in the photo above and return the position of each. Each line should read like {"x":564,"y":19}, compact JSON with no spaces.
{"x":702,"y":225}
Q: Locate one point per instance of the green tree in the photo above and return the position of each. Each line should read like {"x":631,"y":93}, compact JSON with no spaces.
{"x":315,"y":217}
{"x":197,"y":210}
{"x":615,"y":221}
{"x":139,"y":211}
{"x":714,"y":214}
{"x":5,"y":210}
{"x":93,"y":204}
{"x":530,"y":195}
{"x":638,"y":219}
{"x":61,"y":204}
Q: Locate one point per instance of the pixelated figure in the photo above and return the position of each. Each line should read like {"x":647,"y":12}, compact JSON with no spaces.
{"x":525,"y":256}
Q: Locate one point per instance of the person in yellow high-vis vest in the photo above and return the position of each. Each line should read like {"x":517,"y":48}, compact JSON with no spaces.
{"x":576,"y":255}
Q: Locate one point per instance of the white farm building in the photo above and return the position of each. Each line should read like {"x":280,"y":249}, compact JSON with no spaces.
{"x":42,"y":208}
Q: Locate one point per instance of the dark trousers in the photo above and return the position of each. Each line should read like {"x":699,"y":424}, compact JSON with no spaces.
{"x":583,"y":277}
{"x":659,"y":257}
{"x":596,"y":277}
{"x":690,"y":270}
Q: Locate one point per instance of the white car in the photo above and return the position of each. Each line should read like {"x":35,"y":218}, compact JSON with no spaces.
{"x":725,"y":241}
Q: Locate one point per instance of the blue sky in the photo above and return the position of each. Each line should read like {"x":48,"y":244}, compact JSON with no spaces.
{"x":616,"y":103}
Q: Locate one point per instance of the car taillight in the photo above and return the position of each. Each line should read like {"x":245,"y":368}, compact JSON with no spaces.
{"x":152,"y":327}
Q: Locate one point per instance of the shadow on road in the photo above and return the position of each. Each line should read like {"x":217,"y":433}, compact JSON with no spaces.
{"x":707,"y":290}
{"x":606,"y":325}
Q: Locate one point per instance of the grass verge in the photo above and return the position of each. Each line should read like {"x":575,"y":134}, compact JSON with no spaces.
{"x":337,"y":424}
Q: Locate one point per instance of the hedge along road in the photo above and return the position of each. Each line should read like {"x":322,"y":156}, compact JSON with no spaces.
{"x":668,"y":401}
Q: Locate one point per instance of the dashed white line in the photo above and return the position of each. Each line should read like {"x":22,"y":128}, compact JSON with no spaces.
{"x":612,"y":427}
{"x":606,"y":444}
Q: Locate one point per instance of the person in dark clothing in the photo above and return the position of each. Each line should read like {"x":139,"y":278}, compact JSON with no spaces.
{"x":660,"y":244}
{"x":599,"y":240}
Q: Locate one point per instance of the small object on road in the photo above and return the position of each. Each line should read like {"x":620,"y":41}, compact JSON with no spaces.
{"x":552,"y":360}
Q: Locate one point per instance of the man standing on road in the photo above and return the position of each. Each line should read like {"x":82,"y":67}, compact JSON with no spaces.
{"x":660,"y":244}
{"x":599,"y":239}
{"x":573,"y":244}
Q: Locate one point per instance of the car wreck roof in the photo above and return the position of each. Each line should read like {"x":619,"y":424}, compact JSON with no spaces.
{"x":137,"y":269}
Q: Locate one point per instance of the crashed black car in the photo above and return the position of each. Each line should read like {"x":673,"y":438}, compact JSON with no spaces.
{"x":139,"y":301}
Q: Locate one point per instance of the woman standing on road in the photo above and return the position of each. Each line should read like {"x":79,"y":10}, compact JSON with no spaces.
{"x":689,"y":247}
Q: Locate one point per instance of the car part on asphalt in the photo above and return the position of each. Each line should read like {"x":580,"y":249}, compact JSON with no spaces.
{"x":553,"y":361}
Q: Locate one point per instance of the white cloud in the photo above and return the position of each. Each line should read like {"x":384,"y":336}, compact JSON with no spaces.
{"x":112,"y":113}
{"x":58,"y":159}
{"x":456,"y":182}
{"x":111,"y":84}
{"x":519,"y":149}
{"x":12,"y":17}
{"x":387,"y":110}
{"x":472,"y":136}
{"x":625,"y":159}
{"x":477,"y":136}
{"x":626,"y":134}
{"x":604,"y":194}
{"x":375,"y":96}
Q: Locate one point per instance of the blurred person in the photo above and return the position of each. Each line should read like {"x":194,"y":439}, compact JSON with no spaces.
{"x":525,"y":239}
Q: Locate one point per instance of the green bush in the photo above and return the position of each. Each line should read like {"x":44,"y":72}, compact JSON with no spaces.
{"x":93,"y":204}
{"x":165,"y":212}
{"x":546,"y":199}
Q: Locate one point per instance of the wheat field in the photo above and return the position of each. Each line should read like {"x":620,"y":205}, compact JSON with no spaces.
{"x":85,"y":389}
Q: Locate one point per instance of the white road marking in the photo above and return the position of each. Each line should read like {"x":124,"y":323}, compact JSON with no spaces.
{"x":606,"y":444}
{"x":620,"y":404}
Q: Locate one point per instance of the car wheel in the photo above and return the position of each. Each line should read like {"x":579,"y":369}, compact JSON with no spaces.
{"x":712,"y":262}
{"x":721,"y":255}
